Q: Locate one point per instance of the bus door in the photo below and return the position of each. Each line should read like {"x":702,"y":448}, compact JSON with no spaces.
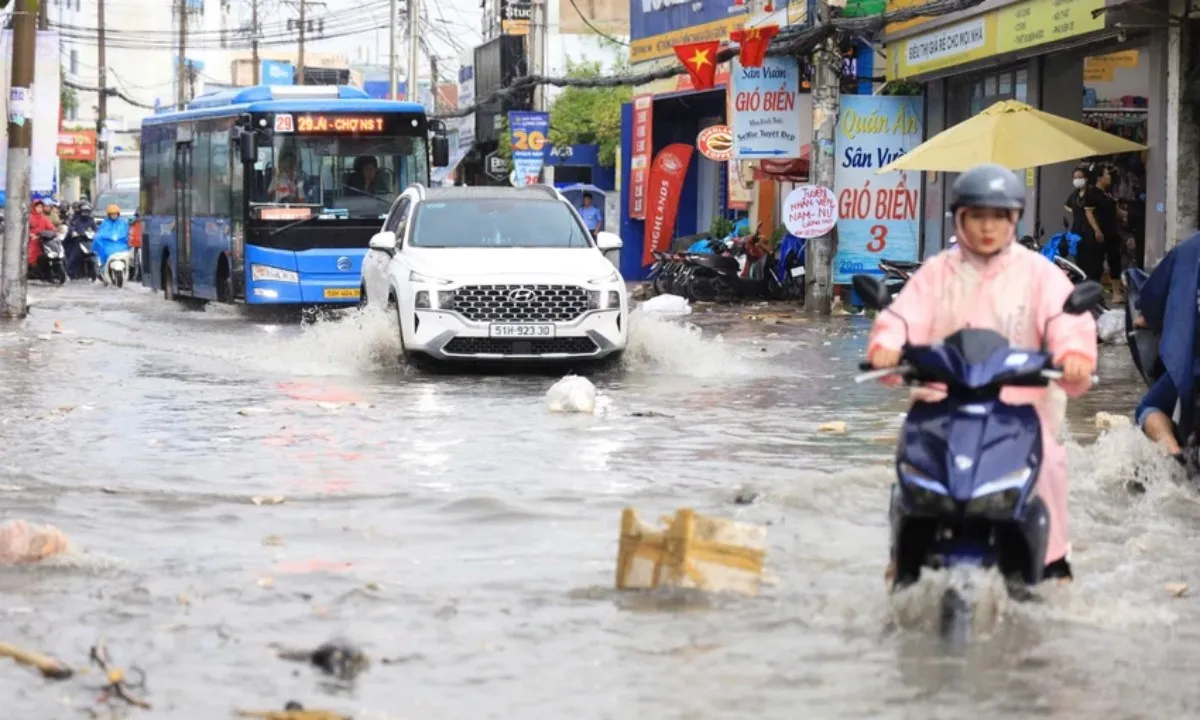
{"x":183,"y":215}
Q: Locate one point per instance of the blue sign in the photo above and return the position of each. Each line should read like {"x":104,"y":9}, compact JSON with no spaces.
{"x":878,"y":215}
{"x":571,"y":154}
{"x":527,"y":132}
{"x":277,"y":72}
{"x":766,"y":110}
{"x":648,"y":18}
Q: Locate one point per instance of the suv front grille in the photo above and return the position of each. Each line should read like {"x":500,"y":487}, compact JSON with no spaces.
{"x":504,"y":346}
{"x":517,"y":303}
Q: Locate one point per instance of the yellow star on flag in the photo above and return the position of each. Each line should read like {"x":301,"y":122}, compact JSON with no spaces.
{"x":699,"y":59}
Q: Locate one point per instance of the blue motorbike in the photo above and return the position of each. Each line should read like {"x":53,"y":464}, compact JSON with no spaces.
{"x":967,"y":465}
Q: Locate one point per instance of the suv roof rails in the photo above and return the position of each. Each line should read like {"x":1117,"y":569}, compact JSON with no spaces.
{"x":420,"y":190}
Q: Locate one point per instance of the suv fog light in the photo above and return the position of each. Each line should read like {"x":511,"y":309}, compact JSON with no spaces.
{"x":614,"y":300}
{"x":421,"y":300}
{"x":594,"y":298}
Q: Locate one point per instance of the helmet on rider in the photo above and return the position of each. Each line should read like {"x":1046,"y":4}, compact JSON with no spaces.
{"x":987,"y":201}
{"x":113,"y":211}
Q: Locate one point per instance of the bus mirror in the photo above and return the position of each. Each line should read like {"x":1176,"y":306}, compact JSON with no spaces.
{"x":441,"y":152}
{"x":249,"y":151}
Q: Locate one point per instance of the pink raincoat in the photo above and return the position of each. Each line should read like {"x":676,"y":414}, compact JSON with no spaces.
{"x":1014,"y":293}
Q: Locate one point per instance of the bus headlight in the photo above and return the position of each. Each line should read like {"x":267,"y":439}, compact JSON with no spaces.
{"x":266,"y":272}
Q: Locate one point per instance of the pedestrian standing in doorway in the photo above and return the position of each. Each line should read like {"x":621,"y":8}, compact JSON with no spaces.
{"x":1109,"y":217}
{"x":591,"y":215}
{"x":1081,"y":209}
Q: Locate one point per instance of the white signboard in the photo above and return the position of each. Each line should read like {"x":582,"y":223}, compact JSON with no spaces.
{"x":42,"y":107}
{"x":810,"y":211}
{"x":466,"y":98}
{"x":767,"y":110}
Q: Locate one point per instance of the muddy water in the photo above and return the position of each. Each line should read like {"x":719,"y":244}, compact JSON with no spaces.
{"x":456,"y":530}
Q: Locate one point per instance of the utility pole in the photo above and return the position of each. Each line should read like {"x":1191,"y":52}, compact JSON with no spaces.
{"x":43,"y":15}
{"x":537,"y":50}
{"x":433,"y":83}
{"x":818,"y":259}
{"x":300,"y":60}
{"x":102,"y":101}
{"x":254,"y":42}
{"x":14,"y":276}
{"x":181,"y":80}
{"x":393,"y":71}
{"x":414,"y":39}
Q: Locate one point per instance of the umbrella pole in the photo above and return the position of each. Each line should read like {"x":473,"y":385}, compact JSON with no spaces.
{"x":818,"y":260}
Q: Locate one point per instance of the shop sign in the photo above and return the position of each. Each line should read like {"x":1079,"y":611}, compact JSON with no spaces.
{"x":1038,"y":22}
{"x":639,"y":156}
{"x":527,"y":133}
{"x":515,"y":16}
{"x":956,"y":44}
{"x":1097,"y":73}
{"x":766,"y":110}
{"x":495,"y":166}
{"x":666,"y":183}
{"x":77,"y":145}
{"x":878,"y":215}
{"x":716,"y":143}
{"x":657,"y":26}
{"x":810,"y":211}
{"x":1123,"y":59}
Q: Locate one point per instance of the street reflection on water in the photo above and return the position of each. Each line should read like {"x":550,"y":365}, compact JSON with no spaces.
{"x":453,"y":527}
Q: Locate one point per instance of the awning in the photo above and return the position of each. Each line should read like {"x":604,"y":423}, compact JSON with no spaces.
{"x":440,"y":175}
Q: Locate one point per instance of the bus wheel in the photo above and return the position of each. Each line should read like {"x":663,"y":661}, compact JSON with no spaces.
{"x":168,"y":282}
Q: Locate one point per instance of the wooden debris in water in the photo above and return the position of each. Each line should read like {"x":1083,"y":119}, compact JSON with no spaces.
{"x":1177,"y":589}
{"x":833,"y":427}
{"x":690,"y":551}
{"x":292,"y":711}
{"x":46,"y":665}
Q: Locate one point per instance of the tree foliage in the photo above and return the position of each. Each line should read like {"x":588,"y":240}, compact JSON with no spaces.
{"x":586,"y":116}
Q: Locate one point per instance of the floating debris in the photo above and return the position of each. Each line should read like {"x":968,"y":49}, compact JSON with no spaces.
{"x":268,"y":500}
{"x":1109,"y":421}
{"x":336,"y":657}
{"x":252,"y":411}
{"x":46,"y":665}
{"x":834,"y":427}
{"x":1177,"y":589}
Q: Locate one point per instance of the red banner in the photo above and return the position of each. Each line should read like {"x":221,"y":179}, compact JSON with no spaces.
{"x":77,"y":145}
{"x":639,"y":159}
{"x":662,"y":197}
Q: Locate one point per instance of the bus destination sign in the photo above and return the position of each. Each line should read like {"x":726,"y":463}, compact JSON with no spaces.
{"x":319,"y":123}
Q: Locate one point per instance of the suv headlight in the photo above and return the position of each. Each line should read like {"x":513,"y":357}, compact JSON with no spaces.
{"x":927,"y":496}
{"x":266,"y":272}
{"x":414,"y":276}
{"x":999,"y":497}
{"x":611,"y":277}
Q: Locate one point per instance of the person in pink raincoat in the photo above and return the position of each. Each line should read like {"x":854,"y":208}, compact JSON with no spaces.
{"x":989,"y":281}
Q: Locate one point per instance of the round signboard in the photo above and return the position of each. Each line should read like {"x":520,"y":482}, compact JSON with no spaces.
{"x":716,"y":143}
{"x":810,"y":211}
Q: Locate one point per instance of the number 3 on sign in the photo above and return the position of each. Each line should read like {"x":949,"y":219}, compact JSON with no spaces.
{"x":528,"y":140}
{"x":878,"y":238}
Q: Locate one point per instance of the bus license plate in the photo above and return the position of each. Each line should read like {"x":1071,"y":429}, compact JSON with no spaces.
{"x":337,"y":293}
{"x":508,"y":330}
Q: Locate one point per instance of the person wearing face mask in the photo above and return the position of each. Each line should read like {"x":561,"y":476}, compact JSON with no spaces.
{"x":1081,"y":208}
{"x":988,"y":280}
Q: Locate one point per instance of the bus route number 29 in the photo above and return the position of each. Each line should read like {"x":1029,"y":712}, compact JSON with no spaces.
{"x":533,"y":140}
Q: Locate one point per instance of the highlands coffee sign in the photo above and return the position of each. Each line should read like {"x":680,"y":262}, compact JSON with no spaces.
{"x":515,"y":16}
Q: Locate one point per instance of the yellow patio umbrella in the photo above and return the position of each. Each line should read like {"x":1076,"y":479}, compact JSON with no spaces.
{"x":1014,"y":135}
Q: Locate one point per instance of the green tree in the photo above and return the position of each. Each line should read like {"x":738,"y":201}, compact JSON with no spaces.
{"x":585,"y":116}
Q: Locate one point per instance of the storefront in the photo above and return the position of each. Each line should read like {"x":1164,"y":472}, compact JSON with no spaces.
{"x":1066,"y":57}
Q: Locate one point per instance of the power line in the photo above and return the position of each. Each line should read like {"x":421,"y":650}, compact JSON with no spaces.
{"x":108,"y":91}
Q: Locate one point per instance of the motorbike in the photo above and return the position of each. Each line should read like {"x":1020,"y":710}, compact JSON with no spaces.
{"x":83,"y":231}
{"x":113,"y":254}
{"x":967,"y":465}
{"x":742,"y":268}
{"x":51,"y":264}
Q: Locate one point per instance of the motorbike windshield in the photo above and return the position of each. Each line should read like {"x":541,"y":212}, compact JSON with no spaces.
{"x":345,"y":176}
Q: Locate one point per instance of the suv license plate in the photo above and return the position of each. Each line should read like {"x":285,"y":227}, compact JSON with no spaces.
{"x":512,"y":330}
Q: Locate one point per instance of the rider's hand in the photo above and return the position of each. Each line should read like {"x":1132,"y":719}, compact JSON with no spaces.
{"x":1077,"y":370}
{"x":882,"y":357}
{"x":1139,"y":321}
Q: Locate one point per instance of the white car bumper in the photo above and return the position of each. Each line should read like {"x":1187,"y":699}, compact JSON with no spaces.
{"x":488,"y":328}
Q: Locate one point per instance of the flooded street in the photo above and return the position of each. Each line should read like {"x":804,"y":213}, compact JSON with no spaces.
{"x":466,"y":538}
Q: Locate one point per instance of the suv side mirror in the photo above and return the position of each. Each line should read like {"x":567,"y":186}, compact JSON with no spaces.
{"x":608,"y":241}
{"x":441,"y":152}
{"x":383,"y":242}
{"x":1084,"y":298}
{"x":873,"y":291}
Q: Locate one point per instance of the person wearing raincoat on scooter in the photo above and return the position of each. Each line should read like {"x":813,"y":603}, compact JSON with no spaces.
{"x":111,"y":237}
{"x":988,"y":280}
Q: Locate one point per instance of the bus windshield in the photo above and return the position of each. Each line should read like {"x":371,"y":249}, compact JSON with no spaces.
{"x":357,"y":177}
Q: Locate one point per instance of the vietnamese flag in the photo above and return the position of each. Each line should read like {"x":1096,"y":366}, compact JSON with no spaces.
{"x":754,"y":43}
{"x":700,"y":59}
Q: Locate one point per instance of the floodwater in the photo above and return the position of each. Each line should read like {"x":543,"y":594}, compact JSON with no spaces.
{"x":465,"y":538}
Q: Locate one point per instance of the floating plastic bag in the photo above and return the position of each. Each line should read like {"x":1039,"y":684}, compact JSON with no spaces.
{"x":22,"y":542}
{"x":670,"y":305}
{"x":572,"y":394}
{"x":1110,"y":327}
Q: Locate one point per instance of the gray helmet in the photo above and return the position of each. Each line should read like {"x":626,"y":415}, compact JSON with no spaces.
{"x":988,"y":186}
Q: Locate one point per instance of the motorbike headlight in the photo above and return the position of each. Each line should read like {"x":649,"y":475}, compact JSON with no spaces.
{"x":266,"y":272}
{"x":416,"y":277}
{"x":924,"y":493}
{"x":999,"y":498}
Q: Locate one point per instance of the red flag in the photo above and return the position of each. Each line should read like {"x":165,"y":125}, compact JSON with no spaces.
{"x":662,"y":192}
{"x":700,"y":59}
{"x":754,"y":43}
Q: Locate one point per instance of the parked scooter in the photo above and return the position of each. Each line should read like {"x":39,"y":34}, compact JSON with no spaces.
{"x":967,"y":465}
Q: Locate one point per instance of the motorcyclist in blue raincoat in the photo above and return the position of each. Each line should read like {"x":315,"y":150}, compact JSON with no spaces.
{"x":111,"y":237}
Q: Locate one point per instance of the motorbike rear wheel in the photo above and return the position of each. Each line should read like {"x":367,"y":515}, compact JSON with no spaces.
{"x":58,"y":273}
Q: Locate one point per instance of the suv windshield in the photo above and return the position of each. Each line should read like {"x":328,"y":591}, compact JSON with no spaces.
{"x":126,"y":199}
{"x":358,"y":176}
{"x":493,"y":223}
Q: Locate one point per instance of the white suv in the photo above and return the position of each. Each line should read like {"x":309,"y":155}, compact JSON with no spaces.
{"x":496,"y":274}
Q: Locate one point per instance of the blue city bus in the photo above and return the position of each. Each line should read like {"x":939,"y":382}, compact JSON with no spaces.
{"x":269,"y":194}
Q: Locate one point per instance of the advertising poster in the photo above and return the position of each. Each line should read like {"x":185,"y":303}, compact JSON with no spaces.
{"x":527,"y":132}
{"x":766,"y":110}
{"x":877,"y":214}
{"x":666,"y":182}
{"x":639,"y":161}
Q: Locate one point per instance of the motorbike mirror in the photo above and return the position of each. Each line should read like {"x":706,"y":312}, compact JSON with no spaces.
{"x":873,"y":291}
{"x":1084,"y":298}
